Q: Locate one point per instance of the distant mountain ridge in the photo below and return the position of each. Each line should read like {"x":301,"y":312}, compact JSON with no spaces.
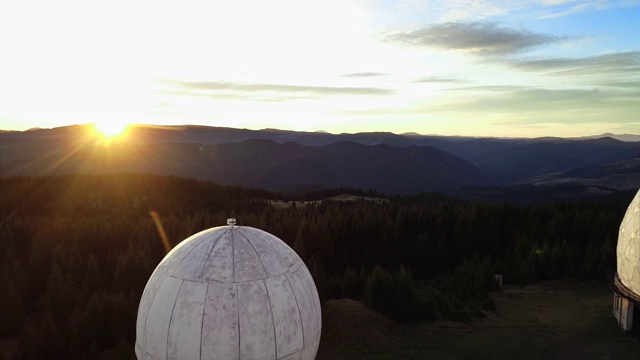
{"x":214,"y":134}
{"x":265,"y":158}
{"x":621,"y":137}
{"x":254,"y":163}
{"x":391,"y":169}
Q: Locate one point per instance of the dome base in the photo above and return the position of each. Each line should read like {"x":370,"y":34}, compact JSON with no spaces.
{"x":619,"y":288}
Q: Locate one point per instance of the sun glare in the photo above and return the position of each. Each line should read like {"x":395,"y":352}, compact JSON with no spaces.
{"x":110,"y":129}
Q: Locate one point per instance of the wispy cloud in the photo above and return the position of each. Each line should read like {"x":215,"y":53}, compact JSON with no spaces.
{"x":526,"y":106}
{"x":465,"y":10}
{"x":491,"y":88}
{"x":481,"y":38}
{"x":631,"y":84}
{"x":593,"y":5}
{"x":556,"y":2}
{"x":620,"y":63}
{"x":439,"y":79}
{"x":363,"y":74}
{"x":230,"y":88}
{"x":563,"y":104}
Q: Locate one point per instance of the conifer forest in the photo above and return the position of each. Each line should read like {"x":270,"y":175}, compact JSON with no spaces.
{"x":77,"y":250}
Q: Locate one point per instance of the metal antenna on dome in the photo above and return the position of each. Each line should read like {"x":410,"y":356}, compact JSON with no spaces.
{"x":231,"y":221}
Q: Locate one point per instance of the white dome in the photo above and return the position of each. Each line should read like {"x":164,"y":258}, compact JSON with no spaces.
{"x":229,"y":292}
{"x":628,"y":250}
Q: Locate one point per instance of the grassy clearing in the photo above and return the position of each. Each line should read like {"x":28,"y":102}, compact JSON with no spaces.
{"x":280,"y":204}
{"x":554,"y":320}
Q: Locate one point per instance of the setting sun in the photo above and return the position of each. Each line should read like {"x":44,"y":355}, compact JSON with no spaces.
{"x":110,"y":129}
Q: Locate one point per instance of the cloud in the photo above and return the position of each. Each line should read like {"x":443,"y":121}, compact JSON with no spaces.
{"x":523,"y":106}
{"x":482,"y":38}
{"x":555,"y":2}
{"x":419,"y":11}
{"x":568,"y":105}
{"x":439,"y":79}
{"x":593,"y":5}
{"x":491,"y":88}
{"x":633,"y":84}
{"x":216,"y":88}
{"x":364,"y":74}
{"x":620,"y":63}
{"x":217,"y":95}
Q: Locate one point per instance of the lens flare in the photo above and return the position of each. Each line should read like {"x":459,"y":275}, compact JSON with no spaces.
{"x":161,"y":232}
{"x":110,"y":129}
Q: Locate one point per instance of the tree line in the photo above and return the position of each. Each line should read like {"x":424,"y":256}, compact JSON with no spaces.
{"x":76,"y":251}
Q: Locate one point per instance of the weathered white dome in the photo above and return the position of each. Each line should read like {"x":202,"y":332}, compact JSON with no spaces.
{"x":628,"y":250}
{"x":229,"y":292}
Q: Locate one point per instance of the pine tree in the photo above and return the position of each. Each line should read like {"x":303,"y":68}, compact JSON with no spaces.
{"x":92,"y":282}
{"x":11,"y":308}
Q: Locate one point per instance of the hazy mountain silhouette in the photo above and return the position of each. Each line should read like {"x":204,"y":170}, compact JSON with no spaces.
{"x":392,"y":169}
{"x":255,"y":163}
{"x":510,"y":160}
{"x":281,"y":160}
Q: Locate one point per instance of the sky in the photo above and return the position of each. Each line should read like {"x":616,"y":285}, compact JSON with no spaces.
{"x":508,"y":68}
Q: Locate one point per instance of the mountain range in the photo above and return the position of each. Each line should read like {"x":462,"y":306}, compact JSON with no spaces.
{"x":291,"y":161}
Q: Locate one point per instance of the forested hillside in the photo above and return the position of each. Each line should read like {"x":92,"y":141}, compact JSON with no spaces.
{"x":252,"y":163}
{"x":77,"y":250}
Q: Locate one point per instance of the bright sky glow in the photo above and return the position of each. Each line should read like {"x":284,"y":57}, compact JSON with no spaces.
{"x":452,"y":67}
{"x":110,"y":129}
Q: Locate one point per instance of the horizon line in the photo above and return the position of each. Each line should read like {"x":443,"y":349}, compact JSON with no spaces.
{"x":320,"y":131}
